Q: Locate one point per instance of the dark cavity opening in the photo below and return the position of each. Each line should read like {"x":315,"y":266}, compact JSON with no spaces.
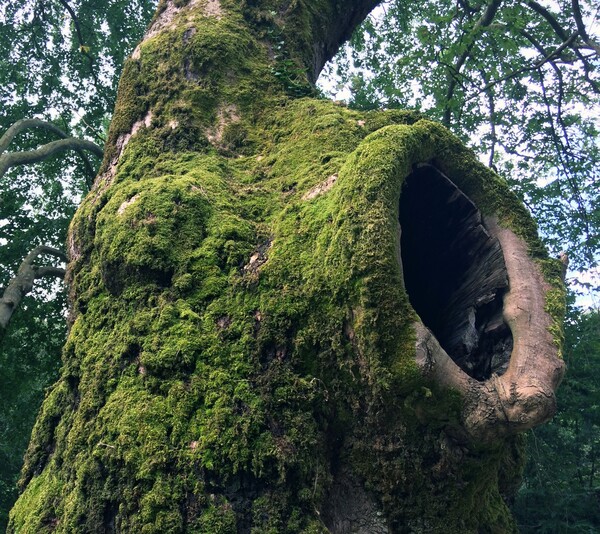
{"x":454,"y":273}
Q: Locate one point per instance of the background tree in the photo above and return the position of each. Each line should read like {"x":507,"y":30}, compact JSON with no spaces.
{"x":59,"y":64}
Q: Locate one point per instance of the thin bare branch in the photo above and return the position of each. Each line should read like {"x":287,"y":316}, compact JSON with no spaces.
{"x":581,"y":27}
{"x":94,"y":132}
{"x":545,"y":59}
{"x":485,"y":20}
{"x":492,"y":118}
{"x":564,"y":35}
{"x":559,"y":54}
{"x":564,"y":150}
{"x":82,"y":46}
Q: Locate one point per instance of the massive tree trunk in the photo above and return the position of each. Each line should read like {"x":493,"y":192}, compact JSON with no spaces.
{"x":287,"y":316}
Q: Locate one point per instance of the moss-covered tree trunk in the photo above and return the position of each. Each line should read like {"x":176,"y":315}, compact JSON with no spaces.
{"x":287,"y":316}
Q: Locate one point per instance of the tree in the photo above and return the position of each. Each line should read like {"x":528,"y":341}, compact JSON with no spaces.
{"x":23,"y":282}
{"x":245,"y":352}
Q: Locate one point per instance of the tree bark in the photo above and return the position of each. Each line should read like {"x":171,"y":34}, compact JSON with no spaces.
{"x":261,"y":340}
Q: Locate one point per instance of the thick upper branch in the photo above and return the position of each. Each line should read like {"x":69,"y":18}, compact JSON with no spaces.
{"x":581,"y":27}
{"x":337,"y":28}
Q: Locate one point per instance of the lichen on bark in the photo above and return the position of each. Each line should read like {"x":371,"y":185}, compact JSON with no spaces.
{"x":241,"y":339}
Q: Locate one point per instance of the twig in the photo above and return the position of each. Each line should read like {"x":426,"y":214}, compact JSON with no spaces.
{"x":82,"y":47}
{"x":484,"y":21}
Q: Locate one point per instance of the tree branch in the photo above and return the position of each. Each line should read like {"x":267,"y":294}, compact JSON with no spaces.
{"x":484,"y":21}
{"x":492,"y":120}
{"x":24,"y":124}
{"x":82,"y":47}
{"x":545,"y":59}
{"x":541,"y":10}
{"x":581,"y":27}
{"x":564,"y":36}
{"x":564,"y":151}
{"x":23,"y":281}
{"x":12,"y":159}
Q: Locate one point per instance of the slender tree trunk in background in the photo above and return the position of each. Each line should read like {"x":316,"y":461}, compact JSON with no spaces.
{"x":287,"y":316}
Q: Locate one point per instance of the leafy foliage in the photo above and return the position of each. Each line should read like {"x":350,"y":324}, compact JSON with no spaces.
{"x":59,"y":61}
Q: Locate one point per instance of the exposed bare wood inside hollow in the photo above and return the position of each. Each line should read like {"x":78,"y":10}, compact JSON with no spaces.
{"x":454,"y":273}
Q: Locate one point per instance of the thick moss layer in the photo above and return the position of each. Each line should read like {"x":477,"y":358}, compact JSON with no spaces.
{"x":237,"y":328}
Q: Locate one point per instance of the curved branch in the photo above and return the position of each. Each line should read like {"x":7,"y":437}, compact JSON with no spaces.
{"x":11,"y":159}
{"x":23,"y":281}
{"x":44,"y":249}
{"x":24,"y":124}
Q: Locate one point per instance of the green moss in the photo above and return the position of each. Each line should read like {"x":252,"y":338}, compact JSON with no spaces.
{"x":233,"y":333}
{"x":32,"y":512}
